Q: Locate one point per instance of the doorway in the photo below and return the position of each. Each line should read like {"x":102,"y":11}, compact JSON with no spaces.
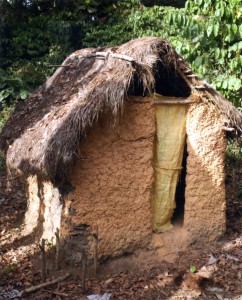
{"x":178,"y":214}
{"x":169,"y":145}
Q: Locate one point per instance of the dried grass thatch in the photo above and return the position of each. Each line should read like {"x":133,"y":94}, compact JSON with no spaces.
{"x":43,"y":133}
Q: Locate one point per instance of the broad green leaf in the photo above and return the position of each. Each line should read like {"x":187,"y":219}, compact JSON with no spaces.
{"x":234,"y":28}
{"x":187,"y":5}
{"x":228,"y":12}
{"x":240,"y":30}
{"x":223,"y":52}
{"x":240,"y":60}
{"x":23,"y":94}
{"x":221,"y":61}
{"x":230,"y":37}
{"x":209,"y":30}
{"x":198,"y":61}
{"x":225,"y":84}
{"x":231,"y":82}
{"x":237,"y":84}
{"x":217,"y":13}
{"x":217,"y":53}
{"x":216,"y":29}
{"x":234,"y":47}
{"x":179,"y":17}
{"x":169,"y":17}
{"x":222,"y":10}
{"x":2,"y":96}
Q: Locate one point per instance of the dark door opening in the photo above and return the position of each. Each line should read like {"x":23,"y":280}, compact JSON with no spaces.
{"x":178,"y":215}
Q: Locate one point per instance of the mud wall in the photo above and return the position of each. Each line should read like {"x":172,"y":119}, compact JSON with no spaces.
{"x":205,"y":204}
{"x":113,"y":179}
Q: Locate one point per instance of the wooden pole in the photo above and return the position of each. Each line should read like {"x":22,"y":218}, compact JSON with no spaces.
{"x":95,"y":254}
{"x":84,"y":271}
{"x":43,"y":259}
{"x":173,"y":102}
{"x":57,"y":254}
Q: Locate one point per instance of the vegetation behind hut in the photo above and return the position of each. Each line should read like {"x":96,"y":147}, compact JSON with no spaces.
{"x":36,"y":35}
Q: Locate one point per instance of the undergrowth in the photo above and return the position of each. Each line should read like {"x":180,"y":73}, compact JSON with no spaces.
{"x":234,"y":152}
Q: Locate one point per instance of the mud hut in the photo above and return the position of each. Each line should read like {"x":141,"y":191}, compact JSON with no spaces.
{"x":124,"y":139}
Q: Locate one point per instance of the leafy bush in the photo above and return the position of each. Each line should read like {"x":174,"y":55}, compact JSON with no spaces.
{"x":234,"y":151}
{"x":11,"y":87}
{"x":206,"y":33}
{"x":34,"y":35}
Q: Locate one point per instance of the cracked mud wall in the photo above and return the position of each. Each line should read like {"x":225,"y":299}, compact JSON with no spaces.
{"x":33,"y":205}
{"x":44,"y":209}
{"x":112,"y":181}
{"x":113,"y":177}
{"x":205,"y":204}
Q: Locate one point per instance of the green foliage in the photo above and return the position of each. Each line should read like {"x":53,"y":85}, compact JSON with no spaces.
{"x":213,"y":32}
{"x":204,"y":33}
{"x":30,"y":39}
{"x":11,"y":87}
{"x":36,"y":34}
{"x":10,"y":269}
{"x":193,"y":269}
{"x":4,"y":114}
{"x":233,"y":164}
{"x":234,"y":152}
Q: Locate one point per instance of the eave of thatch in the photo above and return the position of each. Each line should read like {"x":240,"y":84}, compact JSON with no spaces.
{"x":44,"y":132}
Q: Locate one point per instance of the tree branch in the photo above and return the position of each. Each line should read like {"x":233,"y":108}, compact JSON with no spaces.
{"x":174,"y":3}
{"x":45,"y":284}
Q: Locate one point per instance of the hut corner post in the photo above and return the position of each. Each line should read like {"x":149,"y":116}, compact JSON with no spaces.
{"x":44,"y":209}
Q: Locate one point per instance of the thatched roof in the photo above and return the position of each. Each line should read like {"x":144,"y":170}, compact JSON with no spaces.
{"x":44,"y":132}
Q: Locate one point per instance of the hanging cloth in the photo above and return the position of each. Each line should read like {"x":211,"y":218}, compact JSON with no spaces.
{"x":168,"y":153}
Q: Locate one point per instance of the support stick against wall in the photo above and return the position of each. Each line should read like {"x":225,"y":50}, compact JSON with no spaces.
{"x":95,"y":254}
{"x":84,"y":271}
{"x":57,"y":254}
{"x":43,"y":260}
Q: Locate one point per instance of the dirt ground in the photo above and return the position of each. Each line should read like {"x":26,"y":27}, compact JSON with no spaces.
{"x":199,"y":272}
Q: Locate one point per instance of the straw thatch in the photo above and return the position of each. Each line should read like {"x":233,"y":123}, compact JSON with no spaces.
{"x":43,"y":133}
